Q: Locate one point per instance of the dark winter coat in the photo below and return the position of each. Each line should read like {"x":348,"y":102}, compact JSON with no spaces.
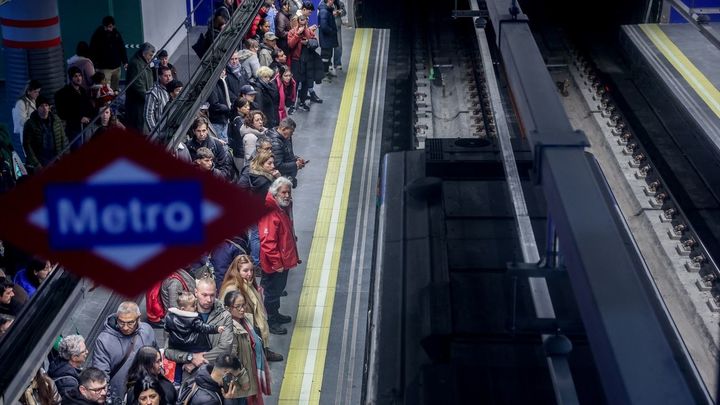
{"x":167,"y":387}
{"x":34,"y":140}
{"x":282,"y":28}
{"x":108,"y":49}
{"x":327,"y":27}
{"x":110,"y":348}
{"x":235,"y":138}
{"x":222,"y":161}
{"x":75,"y":398}
{"x":219,"y":111}
{"x":268,"y":99}
{"x":310,"y":68}
{"x":65,"y":376}
{"x":224,"y":254}
{"x":221,"y":343}
{"x":208,"y":392}
{"x":72,"y":105}
{"x":135,"y":95}
{"x":187,"y":332}
{"x":139,"y":88}
{"x":282,"y":149}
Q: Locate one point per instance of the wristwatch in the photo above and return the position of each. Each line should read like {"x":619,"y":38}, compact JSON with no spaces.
{"x":189,"y":357}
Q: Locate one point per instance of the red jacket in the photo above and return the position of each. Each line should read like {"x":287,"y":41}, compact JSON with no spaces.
{"x":277,"y":238}
{"x":294,"y":41}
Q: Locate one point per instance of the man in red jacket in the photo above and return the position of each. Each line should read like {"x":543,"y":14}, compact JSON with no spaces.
{"x":278,"y":251}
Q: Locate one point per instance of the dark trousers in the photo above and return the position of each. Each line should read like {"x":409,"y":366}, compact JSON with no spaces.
{"x":305,"y":87}
{"x":273,"y":284}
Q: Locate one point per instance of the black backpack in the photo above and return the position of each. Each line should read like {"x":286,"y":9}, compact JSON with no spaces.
{"x":188,"y":390}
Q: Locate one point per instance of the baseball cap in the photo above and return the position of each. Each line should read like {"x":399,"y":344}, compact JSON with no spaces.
{"x":247,"y":89}
{"x":270,"y":36}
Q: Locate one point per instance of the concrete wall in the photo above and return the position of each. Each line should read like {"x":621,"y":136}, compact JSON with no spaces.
{"x":160,"y":19}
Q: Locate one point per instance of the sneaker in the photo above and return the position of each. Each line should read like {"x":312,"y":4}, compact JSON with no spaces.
{"x":284,"y":294}
{"x":302,"y":106}
{"x":315,"y":99}
{"x":291,"y":111}
{"x":272,"y":356}
{"x":277,"y":329}
{"x":280,"y":318}
{"x":332,"y":72}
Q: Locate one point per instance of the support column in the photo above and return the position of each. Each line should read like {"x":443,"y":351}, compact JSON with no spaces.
{"x":31,"y":38}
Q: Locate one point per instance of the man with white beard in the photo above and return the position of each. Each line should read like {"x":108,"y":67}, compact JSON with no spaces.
{"x":278,"y":251}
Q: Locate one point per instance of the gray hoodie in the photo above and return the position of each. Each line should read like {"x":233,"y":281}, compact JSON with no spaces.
{"x":249,"y":61}
{"x":110,"y":348}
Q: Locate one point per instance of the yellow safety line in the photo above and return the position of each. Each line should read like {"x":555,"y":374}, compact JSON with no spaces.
{"x":306,"y":361}
{"x":694,"y":77}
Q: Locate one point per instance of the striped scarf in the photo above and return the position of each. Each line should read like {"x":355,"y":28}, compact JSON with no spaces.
{"x":263,"y":371}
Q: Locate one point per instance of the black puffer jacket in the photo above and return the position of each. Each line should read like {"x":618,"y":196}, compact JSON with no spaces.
{"x":282,"y":150}
{"x":187,"y":332}
{"x":268,"y":99}
{"x":65,"y":376}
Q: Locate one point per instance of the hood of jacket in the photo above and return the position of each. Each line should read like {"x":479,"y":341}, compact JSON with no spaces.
{"x":62,"y":367}
{"x":76,"y":59}
{"x":74,"y":397}
{"x":184,"y":314}
{"x":204,"y":380}
{"x":246,"y":54}
{"x":270,"y":203}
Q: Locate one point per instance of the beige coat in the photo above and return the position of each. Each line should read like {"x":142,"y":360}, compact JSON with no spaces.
{"x":257,"y":314}
{"x":242,"y":348}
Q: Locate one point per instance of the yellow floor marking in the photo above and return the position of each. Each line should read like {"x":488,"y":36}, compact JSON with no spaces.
{"x":695,"y":78}
{"x":308,"y":347}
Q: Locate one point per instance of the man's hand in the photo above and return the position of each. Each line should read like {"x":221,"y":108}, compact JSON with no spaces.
{"x":221,"y":329}
{"x":189,"y":368}
{"x":230,"y":390}
{"x":84,"y":120}
{"x":198,"y":359}
{"x":300,"y":163}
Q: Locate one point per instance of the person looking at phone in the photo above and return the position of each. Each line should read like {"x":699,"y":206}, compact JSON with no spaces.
{"x":282,"y":149}
{"x":216,"y":384}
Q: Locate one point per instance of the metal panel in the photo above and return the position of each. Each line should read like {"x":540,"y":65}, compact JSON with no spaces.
{"x":628,"y":331}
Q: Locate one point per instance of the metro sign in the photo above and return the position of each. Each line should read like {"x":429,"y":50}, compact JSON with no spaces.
{"x":124,"y":213}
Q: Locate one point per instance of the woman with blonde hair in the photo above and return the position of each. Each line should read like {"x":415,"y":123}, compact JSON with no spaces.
{"x":240,"y":276}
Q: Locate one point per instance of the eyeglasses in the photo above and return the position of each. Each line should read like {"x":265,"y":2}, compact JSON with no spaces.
{"x":96,"y":390}
{"x":238,"y":307}
{"x":129,"y":323}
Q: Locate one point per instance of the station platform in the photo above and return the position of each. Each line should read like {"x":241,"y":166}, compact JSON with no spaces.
{"x":334,"y":206}
{"x":676,"y":68}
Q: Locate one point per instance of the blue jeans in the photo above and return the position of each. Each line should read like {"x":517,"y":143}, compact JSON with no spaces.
{"x":221,"y":131}
{"x":254,"y":244}
{"x":337,"y":56}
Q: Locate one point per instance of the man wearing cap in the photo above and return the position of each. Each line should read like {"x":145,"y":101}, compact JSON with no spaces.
{"x":248,"y":92}
{"x":266,"y":49}
{"x":156,"y":99}
{"x":43,"y":135}
{"x":74,"y":105}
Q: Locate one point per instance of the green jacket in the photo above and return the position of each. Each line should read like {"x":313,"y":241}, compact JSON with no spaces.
{"x":33,"y":141}
{"x":136,"y":67}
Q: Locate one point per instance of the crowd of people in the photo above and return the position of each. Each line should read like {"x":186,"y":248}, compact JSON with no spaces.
{"x":218,"y":314}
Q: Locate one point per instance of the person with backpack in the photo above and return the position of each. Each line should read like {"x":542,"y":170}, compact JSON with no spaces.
{"x":65,"y":369}
{"x":164,"y":295}
{"x":215,"y":384}
{"x":116,"y":346}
